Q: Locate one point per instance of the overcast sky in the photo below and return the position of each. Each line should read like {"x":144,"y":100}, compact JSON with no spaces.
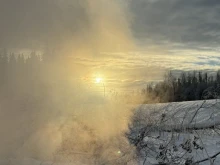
{"x":192,"y":23}
{"x":136,"y":40}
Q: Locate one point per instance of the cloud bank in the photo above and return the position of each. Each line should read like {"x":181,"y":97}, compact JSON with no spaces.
{"x":184,"y":22}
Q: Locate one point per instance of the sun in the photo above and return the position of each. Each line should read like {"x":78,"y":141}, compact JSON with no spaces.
{"x":98,"y":80}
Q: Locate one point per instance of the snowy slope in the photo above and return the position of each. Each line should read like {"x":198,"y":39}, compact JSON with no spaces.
{"x":181,"y":113}
{"x":172,"y":124}
{"x":182,"y":117}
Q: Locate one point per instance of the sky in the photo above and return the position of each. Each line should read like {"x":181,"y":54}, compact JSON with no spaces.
{"x":126,"y":42}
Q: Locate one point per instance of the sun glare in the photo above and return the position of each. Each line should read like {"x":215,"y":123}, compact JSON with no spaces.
{"x":98,"y":80}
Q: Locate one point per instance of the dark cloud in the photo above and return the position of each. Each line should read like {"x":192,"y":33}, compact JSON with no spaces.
{"x":177,"y":21}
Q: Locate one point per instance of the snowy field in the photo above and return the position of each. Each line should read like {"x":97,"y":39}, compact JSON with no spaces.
{"x":185,"y":132}
{"x":177,"y":132}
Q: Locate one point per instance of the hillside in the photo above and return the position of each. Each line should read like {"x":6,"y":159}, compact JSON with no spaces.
{"x":179,"y":133}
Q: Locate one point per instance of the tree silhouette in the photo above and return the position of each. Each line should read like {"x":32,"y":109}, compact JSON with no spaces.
{"x":186,"y":87}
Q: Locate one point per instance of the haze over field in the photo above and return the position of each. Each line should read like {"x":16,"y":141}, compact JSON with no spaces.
{"x":62,"y":95}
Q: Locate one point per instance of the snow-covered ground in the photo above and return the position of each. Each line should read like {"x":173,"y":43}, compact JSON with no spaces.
{"x":206,"y":113}
{"x":194,"y":124}
{"x":171,"y":126}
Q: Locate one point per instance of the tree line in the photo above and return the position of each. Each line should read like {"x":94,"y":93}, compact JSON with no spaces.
{"x":32,"y":77}
{"x":18,"y":73}
{"x":187,"y":86}
{"x":22,"y":75}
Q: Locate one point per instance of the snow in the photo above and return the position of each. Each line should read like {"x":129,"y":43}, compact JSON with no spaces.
{"x":175,"y":123}
{"x":181,"y":113}
{"x":181,"y":116}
